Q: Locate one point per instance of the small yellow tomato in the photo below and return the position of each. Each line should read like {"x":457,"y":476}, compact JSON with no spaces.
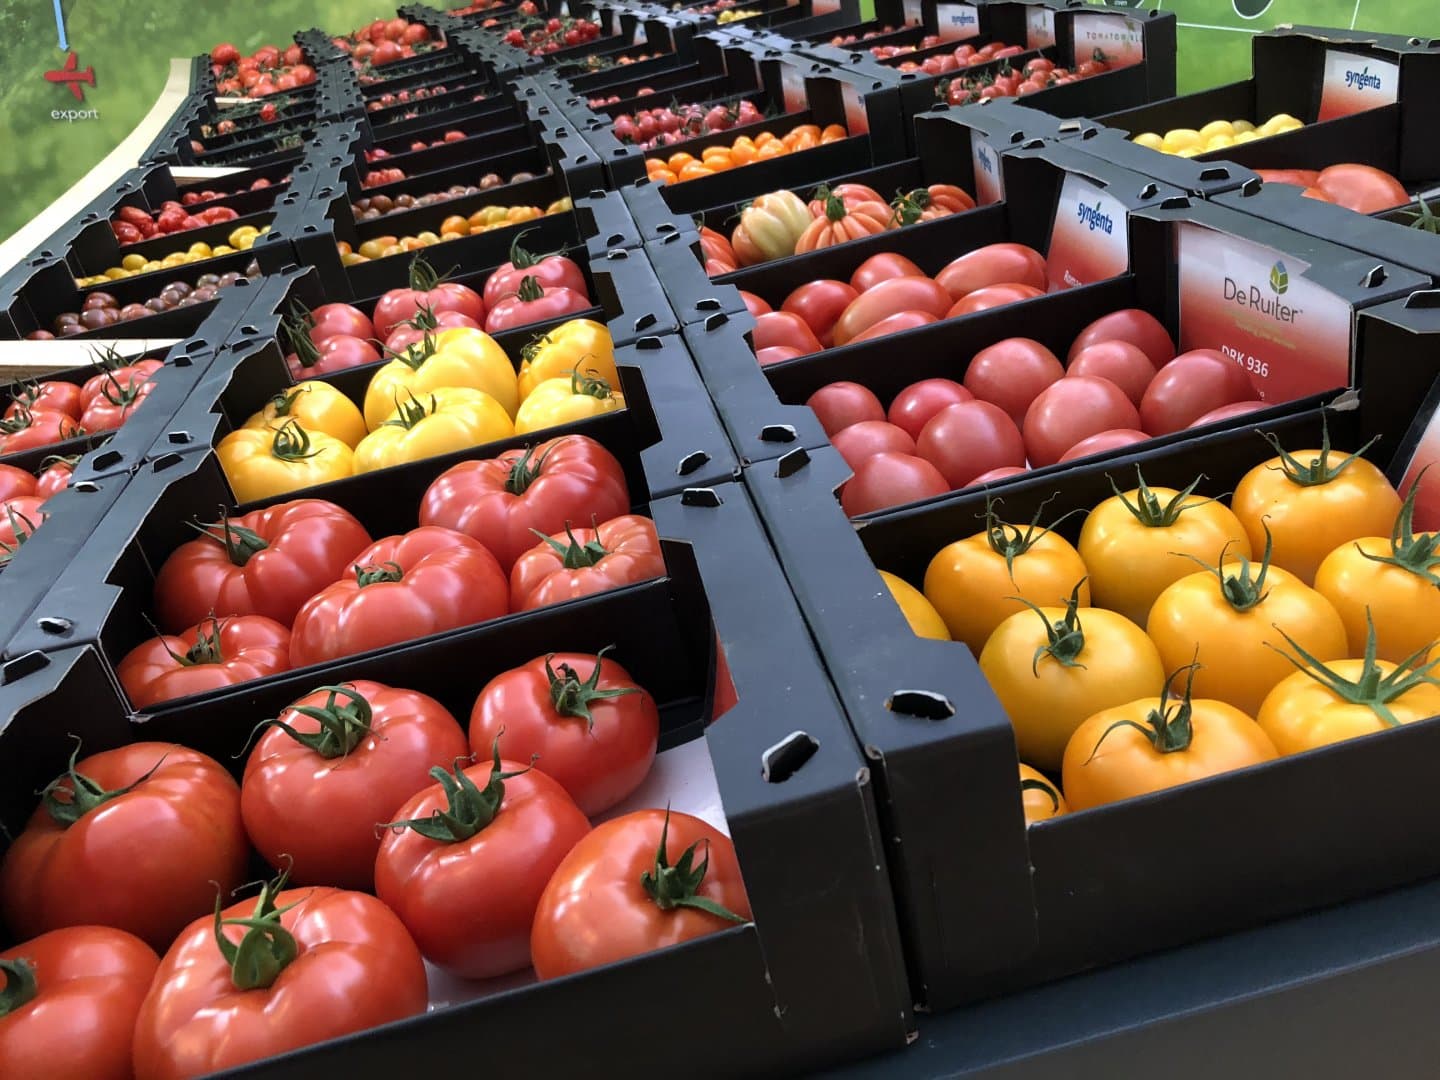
{"x":1040,"y":798}
{"x":1051,"y":670}
{"x":1156,"y":743}
{"x":260,"y":463}
{"x":582,"y":343}
{"x":974,"y":583}
{"x":443,"y":421}
{"x":460,"y":356}
{"x":318,"y":406}
{"x":924,"y":620}
{"x":566,"y":400}
{"x":133,"y":262}
{"x":1150,"y":139}
{"x":1138,"y":542}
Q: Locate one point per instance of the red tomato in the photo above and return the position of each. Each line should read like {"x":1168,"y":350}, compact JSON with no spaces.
{"x":1317,"y":194}
{"x":883,"y":267}
{"x":450,"y":844}
{"x":579,"y":717}
{"x":754,"y":304}
{"x":992,"y":296}
{"x":633,"y":876}
{"x":844,"y":403}
{"x":1303,"y":178}
{"x":31,"y":430}
{"x":894,"y":324}
{"x":328,"y":320}
{"x":1362,"y":188}
{"x":311,"y":964}
{"x":15,"y":482}
{"x":531,"y":303}
{"x":869,"y":437}
{"x":268,"y":562}
{"x":820,"y":304}
{"x":1140,"y":328}
{"x":778,"y":354}
{"x":70,"y":1003}
{"x":413,"y":331}
{"x":886,"y":299}
{"x":336,"y":353}
{"x":966,"y":440}
{"x":1105,"y":440}
{"x":212,"y":655}
{"x":1072,"y":409}
{"x":917,"y":403}
{"x":350,"y":756}
{"x":1120,"y":362}
{"x":62,"y":397}
{"x":503,"y":501}
{"x":580,"y":562}
{"x":19,"y":518}
{"x":403,"y":587}
{"x":55,"y":476}
{"x":118,"y":397}
{"x":1190,"y":386}
{"x":1226,"y":412}
{"x":1011,"y":373}
{"x":135,"y":838}
{"x":552,"y":271}
{"x":885,"y":480}
{"x":784,"y":328}
{"x":996,"y":475}
{"x":994,"y":264}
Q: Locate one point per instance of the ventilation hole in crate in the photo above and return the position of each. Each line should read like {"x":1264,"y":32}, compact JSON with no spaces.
{"x":248,"y":330}
{"x":1375,"y":277}
{"x":87,"y":487}
{"x":778,"y":433}
{"x":787,"y":757}
{"x":667,"y":229}
{"x":692,"y":461}
{"x":699,"y":496}
{"x":1176,"y":202}
{"x":178,"y":438}
{"x":108,"y":459}
{"x":712,"y":322}
{"x":649,"y":344}
{"x":1251,"y":186}
{"x":1425,"y":298}
{"x":583,"y":159}
{"x":1027,"y":144}
{"x":791,"y":463}
{"x":645,"y":322}
{"x":1215,"y":172}
{"x":1070,"y":127}
{"x":21,"y":666}
{"x":54,"y":625}
{"x":1149,"y":191}
{"x":614,"y":238}
{"x":921,"y":704}
{"x":617,"y":254}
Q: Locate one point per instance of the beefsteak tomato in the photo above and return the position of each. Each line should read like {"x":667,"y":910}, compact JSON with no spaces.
{"x":579,"y":562}
{"x":213,"y":655}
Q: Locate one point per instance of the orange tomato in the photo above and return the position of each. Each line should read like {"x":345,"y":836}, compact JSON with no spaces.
{"x":765,"y":138}
{"x":773,"y":149}
{"x":455,"y":224}
{"x":694,"y":171}
{"x":805,"y":131}
{"x":1041,"y":799}
{"x":833,"y":133}
{"x":343,"y":248}
{"x":675,"y":162}
{"x":744,"y":150}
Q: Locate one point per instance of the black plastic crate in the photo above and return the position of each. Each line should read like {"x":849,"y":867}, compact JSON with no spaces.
{"x":816,"y":979}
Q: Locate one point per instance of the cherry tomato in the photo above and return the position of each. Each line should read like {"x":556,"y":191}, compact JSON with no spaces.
{"x":887,"y":298}
{"x":785,"y":328}
{"x":820,"y":304}
{"x":844,"y":403}
{"x":994,"y":264}
{"x":917,"y":403}
{"x":888,"y":479}
{"x":1011,"y":374}
{"x":969,"y":439}
{"x":1140,"y":328}
{"x":1072,"y":409}
{"x":1190,"y":386}
{"x":1120,"y":362}
{"x":1103,"y":442}
{"x":860,"y":441}
{"x":883,"y":267}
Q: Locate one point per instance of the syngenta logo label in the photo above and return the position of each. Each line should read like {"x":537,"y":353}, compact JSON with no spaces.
{"x":1253,"y":298}
{"x":1092,"y":217}
{"x":964,"y":17}
{"x":982,"y":157}
{"x":1362,"y":79}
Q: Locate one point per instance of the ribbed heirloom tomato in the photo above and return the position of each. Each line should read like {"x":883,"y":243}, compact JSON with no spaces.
{"x":289,"y":968}
{"x":317,"y":406}
{"x":459,"y":357}
{"x":133,"y":838}
{"x":268,"y":562}
{"x":551,"y":271}
{"x":261,"y":463}
{"x":579,"y":562}
{"x":582,"y":345}
{"x":531,"y":303}
{"x":403,"y":587}
{"x":625,"y":877}
{"x":579,"y":717}
{"x":212,"y":655}
{"x":333,"y":765}
{"x":565,"y":400}
{"x":69,"y":1003}
{"x":466,"y":860}
{"x":426,"y":293}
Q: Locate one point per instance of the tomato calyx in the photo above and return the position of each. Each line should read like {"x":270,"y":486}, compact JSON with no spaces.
{"x":678,"y":886}
{"x":206,"y":649}
{"x":1411,"y":551}
{"x":1373,"y":689}
{"x":525,"y":471}
{"x":296,"y":331}
{"x":575,"y":555}
{"x":68,"y":460}
{"x":1317,"y":471}
{"x":571,"y":697}
{"x":20,"y":986}
{"x":22,"y":527}
{"x":424,"y":319}
{"x":22,"y":419}
{"x":283,"y":403}
{"x":267,"y":948}
{"x":1240,"y":590}
{"x":835,"y":208}
{"x":1425,"y":219}
{"x":583,"y":385}
{"x":409,"y":413}
{"x":469,"y":807}
{"x":1066,"y":637}
{"x":414,"y":356}
{"x":122,"y":395}
{"x":343,"y":727}
{"x":85,"y":794}
{"x":1147,"y":508}
{"x":1010,"y":541}
{"x":374,"y":575}
{"x":1047,"y":788}
{"x":910,"y":206}
{"x":1168,"y":729}
{"x":522,"y":259}
{"x":292,"y":443}
{"x":423,"y":276}
{"x":530,"y":289}
{"x":240,"y":543}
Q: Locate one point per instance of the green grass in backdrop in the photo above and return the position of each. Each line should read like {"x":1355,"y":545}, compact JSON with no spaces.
{"x":130,"y":44}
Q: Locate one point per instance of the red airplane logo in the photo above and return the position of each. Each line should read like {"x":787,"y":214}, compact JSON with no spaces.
{"x":69,"y":76}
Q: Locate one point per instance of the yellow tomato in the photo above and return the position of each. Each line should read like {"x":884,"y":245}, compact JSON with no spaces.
{"x":1217,"y":127}
{"x":974,"y":583}
{"x":318,"y":406}
{"x":260,"y":463}
{"x":1179,"y":139}
{"x":443,"y":421}
{"x":1051,"y":669}
{"x":133,"y":262}
{"x":1136,"y":543}
{"x":563,"y":401}
{"x":460,"y":356}
{"x":1170,"y":743}
{"x":924,"y":620}
{"x":582,"y":344}
{"x":1313,"y":501}
{"x":1150,"y":139}
{"x":373,"y":248}
{"x":1242,"y":127}
{"x":1041,"y":799}
{"x":1232,"y":622}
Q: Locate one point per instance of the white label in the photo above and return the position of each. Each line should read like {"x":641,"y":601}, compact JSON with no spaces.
{"x":792,"y":87}
{"x":1090,"y":237}
{"x":857,"y":120}
{"x":639,"y":38}
{"x":1118,"y":38}
{"x":1354,"y":83}
{"x":989,"y":182}
{"x":913,"y":12}
{"x":956,"y":22}
{"x":1039,"y":27}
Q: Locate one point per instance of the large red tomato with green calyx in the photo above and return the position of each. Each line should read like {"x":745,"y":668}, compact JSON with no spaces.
{"x":580,"y":717}
{"x":115,"y":371}
{"x":55,"y":475}
{"x":581,"y":562}
{"x":31,"y":429}
{"x":621,"y":876}
{"x":16,"y":482}
{"x":532,"y":303}
{"x":333,"y":765}
{"x":551,"y":271}
{"x":135,"y":838}
{"x":214,"y":654}
{"x":335,"y":353}
{"x":403,"y":587}
{"x":117,"y":398}
{"x":334,"y":320}
{"x":69,"y":1003}
{"x":441,"y":859}
{"x":268,"y":562}
{"x":19,"y":518}
{"x":503,"y":501}
{"x":290,"y":968}
{"x":426,"y":292}
{"x":53,"y":395}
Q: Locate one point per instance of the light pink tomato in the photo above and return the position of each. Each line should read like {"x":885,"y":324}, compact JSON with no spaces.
{"x":1011,"y":373}
{"x":1132,"y":325}
{"x":966,"y":440}
{"x":869,"y":437}
{"x":844,"y":403}
{"x":917,"y":403}
{"x":994,"y":475}
{"x":1227,"y":412}
{"x":1124,"y":364}
{"x":1190,"y":386}
{"x":1071,"y":410}
{"x":885,"y":480}
{"x":1106,"y":440}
